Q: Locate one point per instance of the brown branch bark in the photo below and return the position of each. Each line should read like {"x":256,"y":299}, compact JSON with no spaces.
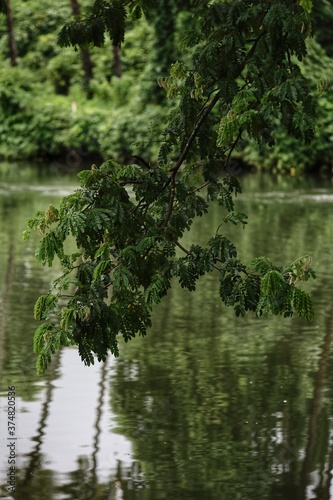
{"x":181,"y":247}
{"x":206,"y":112}
{"x":117,"y":61}
{"x":11,"y":37}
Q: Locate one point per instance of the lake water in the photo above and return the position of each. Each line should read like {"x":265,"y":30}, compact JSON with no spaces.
{"x":207,"y":406}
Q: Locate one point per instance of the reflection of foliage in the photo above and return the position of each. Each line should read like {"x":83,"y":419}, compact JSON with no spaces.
{"x":222,"y":409}
{"x":19,"y":287}
{"x":211,"y":413}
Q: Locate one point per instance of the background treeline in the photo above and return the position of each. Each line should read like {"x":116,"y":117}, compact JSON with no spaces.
{"x":106,"y":102}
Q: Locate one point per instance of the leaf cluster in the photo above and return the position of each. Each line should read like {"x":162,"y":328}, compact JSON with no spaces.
{"x":128,"y":220}
{"x":127,"y":257}
{"x":129,"y":242}
{"x":264,"y":288}
{"x":245,"y":57}
{"x":109,"y":17}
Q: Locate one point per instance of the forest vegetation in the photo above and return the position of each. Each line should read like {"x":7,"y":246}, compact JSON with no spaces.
{"x":105,"y":101}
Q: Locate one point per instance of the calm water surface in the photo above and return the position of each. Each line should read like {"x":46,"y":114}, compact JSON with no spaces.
{"x":207,"y":406}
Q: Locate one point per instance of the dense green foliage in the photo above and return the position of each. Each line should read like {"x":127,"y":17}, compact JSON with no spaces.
{"x":241,"y":77}
{"x":124,"y":116}
{"x":288,"y":154}
{"x":44,"y":109}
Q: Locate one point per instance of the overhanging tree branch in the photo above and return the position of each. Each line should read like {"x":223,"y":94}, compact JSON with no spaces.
{"x":206,"y":112}
{"x":137,"y":242}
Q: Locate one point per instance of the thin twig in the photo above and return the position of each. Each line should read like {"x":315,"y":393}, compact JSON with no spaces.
{"x":194,"y":133}
{"x":203,"y":107}
{"x":181,"y":247}
{"x":204,"y":113}
{"x":231,"y":150}
{"x":146,"y":164}
{"x":172,"y":199}
{"x":198,"y":188}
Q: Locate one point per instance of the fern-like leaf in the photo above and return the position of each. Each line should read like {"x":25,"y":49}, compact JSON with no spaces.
{"x":44,"y":305}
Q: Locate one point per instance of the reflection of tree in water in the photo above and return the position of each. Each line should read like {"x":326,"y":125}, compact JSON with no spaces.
{"x":319,"y":449}
{"x":206,"y":412}
{"x":9,"y":274}
{"x":34,"y":477}
{"x":20,"y":280}
{"x":84,"y":482}
{"x":35,"y":480}
{"x":212,"y":419}
{"x":125,"y":483}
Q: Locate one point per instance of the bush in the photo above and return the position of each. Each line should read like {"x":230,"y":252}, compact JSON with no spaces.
{"x":289,"y":154}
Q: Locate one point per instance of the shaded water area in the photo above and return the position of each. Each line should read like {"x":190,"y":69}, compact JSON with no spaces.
{"x":207,"y":406}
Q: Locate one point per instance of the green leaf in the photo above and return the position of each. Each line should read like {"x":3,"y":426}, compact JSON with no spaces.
{"x":67,"y":317}
{"x":236,"y":218}
{"x":273,"y":283}
{"x":85,"y":351}
{"x":121,"y":277}
{"x":307,"y":5}
{"x":41,"y":335}
{"x":261,"y":265}
{"x":156,"y":290}
{"x":222,"y":248}
{"x":44,"y":305}
{"x":145,"y":244}
{"x":303,"y":304}
{"x":48,"y":247}
{"x":102,"y":267}
{"x":299,"y":270}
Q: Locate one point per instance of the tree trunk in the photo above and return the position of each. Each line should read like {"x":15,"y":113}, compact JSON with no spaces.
{"x":117,"y":61}
{"x":12,"y":42}
{"x":85,"y":55}
{"x":87,"y":64}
